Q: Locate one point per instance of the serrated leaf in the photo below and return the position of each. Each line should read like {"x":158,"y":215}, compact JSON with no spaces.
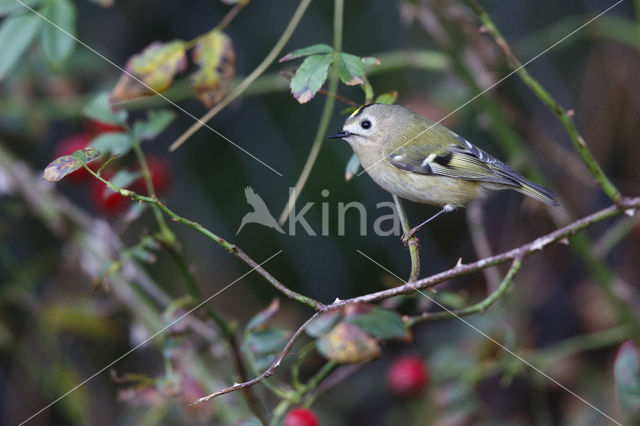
{"x":323,"y":323}
{"x":310,"y":77}
{"x":124,"y":178}
{"x":153,"y":71}
{"x":627,"y":377}
{"x":56,"y":44}
{"x":388,"y":98}
{"x":352,"y":168}
{"x":306,"y":51}
{"x":99,"y":109}
{"x":266,"y":341}
{"x":16,"y":35}
{"x":115,"y":143}
{"x":62,"y":166}
{"x":216,"y":58}
{"x":263,"y":316}
{"x":348,"y":343}
{"x":157,"y":121}
{"x":351,"y":69}
{"x":381,"y":323}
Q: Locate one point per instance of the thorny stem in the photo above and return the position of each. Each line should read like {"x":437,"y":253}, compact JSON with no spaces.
{"x":517,"y":255}
{"x":479,"y":307}
{"x":414,"y":252}
{"x":269,"y":372}
{"x":240,"y":88}
{"x":562,"y":114}
{"x":326,"y":114}
{"x":231,"y":248}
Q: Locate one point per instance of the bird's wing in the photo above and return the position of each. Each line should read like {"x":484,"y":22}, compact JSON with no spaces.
{"x":455,"y":158}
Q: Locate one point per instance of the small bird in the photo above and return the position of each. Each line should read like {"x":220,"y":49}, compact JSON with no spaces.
{"x":422,"y":161}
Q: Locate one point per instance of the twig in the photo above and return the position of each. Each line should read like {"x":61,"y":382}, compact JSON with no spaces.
{"x":480,"y":241}
{"x":516,"y":255}
{"x":626,"y":203}
{"x":269,"y":372}
{"x":271,"y":56}
{"x":231,"y":248}
{"x":324,"y":119}
{"x":546,"y":98}
{"x":479,"y":307}
{"x":414,"y":251}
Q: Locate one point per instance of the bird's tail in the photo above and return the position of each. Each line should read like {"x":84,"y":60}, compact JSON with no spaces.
{"x":536,"y":191}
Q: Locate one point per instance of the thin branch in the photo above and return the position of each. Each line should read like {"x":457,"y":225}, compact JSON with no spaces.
{"x":269,"y":372}
{"x":517,"y":256}
{"x":231,"y":248}
{"x":480,"y":241}
{"x":261,"y":68}
{"x":546,"y":98}
{"x":413,"y":241}
{"x":477,"y":308}
{"x":627,"y":204}
{"x":329,"y":104}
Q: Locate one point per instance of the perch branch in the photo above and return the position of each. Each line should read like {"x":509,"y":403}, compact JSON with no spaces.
{"x":413,"y":241}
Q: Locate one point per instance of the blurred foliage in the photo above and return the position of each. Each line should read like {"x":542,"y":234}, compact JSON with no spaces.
{"x":84,"y":290}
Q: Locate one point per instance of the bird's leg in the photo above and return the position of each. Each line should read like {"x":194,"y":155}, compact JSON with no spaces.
{"x":410,"y":233}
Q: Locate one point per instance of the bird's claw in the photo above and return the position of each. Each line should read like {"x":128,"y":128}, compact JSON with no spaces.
{"x":407,"y":236}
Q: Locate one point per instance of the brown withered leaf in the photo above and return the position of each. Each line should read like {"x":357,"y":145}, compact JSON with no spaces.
{"x":154,"y":69}
{"x":216,"y":58}
{"x":348,"y":343}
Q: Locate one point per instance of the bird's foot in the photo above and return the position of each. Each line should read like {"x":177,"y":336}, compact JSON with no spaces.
{"x":408,"y":236}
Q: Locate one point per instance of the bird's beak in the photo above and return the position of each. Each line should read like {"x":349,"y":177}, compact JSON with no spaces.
{"x":341,"y":135}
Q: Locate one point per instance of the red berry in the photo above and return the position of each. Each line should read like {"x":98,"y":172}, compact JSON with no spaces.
{"x":68,"y":146}
{"x":95,"y":127}
{"x":407,"y":375}
{"x":106,"y":200}
{"x":300,"y":417}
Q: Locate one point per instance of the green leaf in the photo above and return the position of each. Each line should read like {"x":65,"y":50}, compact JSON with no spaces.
{"x":113,"y":143}
{"x":388,"y":98}
{"x":100,"y":109}
{"x":311,"y":50}
{"x":16,"y":35}
{"x":151,"y":71}
{"x":323,"y":323}
{"x":266,"y":341}
{"x":263,"y":316}
{"x":56,"y":44}
{"x":216,"y":58}
{"x":310,"y":77}
{"x":381,"y":323}
{"x":62,"y":166}
{"x":627,"y":376}
{"x":154,"y":125}
{"x":352,"y":168}
{"x":351,"y":70}
{"x":348,"y":343}
{"x":124,"y":178}
{"x":8,"y":6}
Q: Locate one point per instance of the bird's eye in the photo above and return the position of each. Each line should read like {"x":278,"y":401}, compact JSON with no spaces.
{"x":366,"y":124}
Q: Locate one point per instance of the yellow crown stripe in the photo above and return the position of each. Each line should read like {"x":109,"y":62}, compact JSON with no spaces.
{"x":354,"y":113}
